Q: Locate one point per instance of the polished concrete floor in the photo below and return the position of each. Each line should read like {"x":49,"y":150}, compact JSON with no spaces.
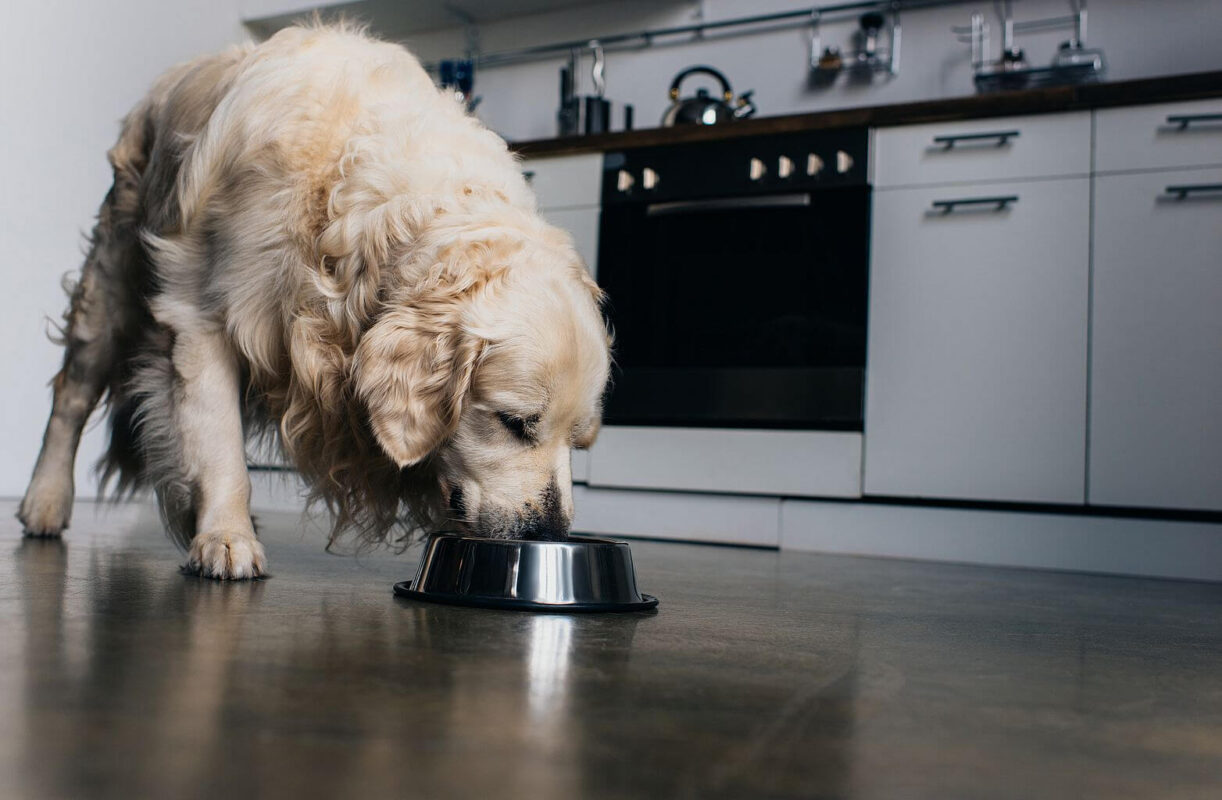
{"x":761,"y":675}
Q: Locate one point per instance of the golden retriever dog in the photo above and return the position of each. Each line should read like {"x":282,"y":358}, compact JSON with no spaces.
{"x":307,"y":239}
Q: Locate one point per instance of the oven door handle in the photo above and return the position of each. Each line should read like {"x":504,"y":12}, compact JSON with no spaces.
{"x":792,"y":200}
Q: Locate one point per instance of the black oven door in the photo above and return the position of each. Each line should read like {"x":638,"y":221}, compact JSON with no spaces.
{"x":739,"y":311}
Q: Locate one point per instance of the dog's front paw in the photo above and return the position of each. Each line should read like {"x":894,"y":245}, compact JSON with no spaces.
{"x":46,"y":508}
{"x":226,"y":555}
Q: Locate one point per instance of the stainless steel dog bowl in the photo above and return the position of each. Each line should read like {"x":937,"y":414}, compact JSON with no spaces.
{"x":581,"y":573}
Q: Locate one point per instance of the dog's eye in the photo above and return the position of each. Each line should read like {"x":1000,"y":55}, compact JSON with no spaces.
{"x":515,"y":425}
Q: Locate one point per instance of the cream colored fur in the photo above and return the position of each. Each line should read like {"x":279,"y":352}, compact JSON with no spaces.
{"x":307,"y":237}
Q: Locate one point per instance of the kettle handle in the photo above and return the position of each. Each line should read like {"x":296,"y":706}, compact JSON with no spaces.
{"x":726,"y":91}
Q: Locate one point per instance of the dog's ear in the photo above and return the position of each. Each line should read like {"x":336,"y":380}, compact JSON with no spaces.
{"x":412,"y":370}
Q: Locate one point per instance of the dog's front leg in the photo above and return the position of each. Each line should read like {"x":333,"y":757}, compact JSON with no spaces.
{"x":209,"y":421}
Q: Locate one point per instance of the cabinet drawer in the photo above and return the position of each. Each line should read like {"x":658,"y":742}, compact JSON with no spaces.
{"x":1165,"y":136}
{"x":677,"y":515}
{"x":1156,"y":343}
{"x":801,"y":463}
{"x":566,"y":181}
{"x":983,"y":150}
{"x":976,"y":383}
{"x":579,"y":463}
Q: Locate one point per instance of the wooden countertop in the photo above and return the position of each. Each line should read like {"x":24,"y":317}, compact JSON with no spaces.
{"x":1193,"y":86}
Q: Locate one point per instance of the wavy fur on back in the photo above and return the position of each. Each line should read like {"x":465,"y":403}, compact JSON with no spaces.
{"x":309,"y":197}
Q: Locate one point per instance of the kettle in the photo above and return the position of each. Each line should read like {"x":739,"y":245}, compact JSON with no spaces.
{"x":704,"y":109}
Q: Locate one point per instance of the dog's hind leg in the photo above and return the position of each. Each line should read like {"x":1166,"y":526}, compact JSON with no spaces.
{"x":90,"y":340}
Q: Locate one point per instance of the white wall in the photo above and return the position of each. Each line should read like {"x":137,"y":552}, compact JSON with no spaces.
{"x":71,"y":70}
{"x":1141,"y":38}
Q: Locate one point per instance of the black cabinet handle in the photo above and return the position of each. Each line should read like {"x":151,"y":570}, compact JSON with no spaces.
{"x":1003,"y":138}
{"x":1182,"y":191}
{"x":1001,"y":203}
{"x":1184,"y":120}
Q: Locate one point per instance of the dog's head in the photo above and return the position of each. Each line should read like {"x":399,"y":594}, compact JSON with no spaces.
{"x":492,"y":370}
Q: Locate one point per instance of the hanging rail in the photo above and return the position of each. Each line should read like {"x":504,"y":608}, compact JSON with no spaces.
{"x":795,"y":19}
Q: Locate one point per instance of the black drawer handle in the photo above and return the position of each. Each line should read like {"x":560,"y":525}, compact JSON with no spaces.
{"x":1001,"y":203}
{"x":1003,"y":138}
{"x":1181,"y":192}
{"x":1184,"y":120}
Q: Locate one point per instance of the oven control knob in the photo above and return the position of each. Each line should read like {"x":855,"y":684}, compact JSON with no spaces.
{"x":814,"y":165}
{"x":784,"y":167}
{"x":844,"y":162}
{"x":649,"y":178}
{"x":624,"y":180}
{"x":757,"y":170}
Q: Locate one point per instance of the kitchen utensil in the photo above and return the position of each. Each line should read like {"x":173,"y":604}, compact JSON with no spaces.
{"x":865,"y":60}
{"x":568,"y":116}
{"x":704,"y":109}
{"x":583,"y":113}
{"x":597,"y":117}
{"x":582,"y":573}
{"x":1073,"y":63}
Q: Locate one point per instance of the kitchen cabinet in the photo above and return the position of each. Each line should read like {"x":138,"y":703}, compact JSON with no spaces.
{"x":579,"y":464}
{"x":977,"y":352}
{"x":795,"y":463}
{"x":1156,"y":344}
{"x":568,"y":190}
{"x":685,"y":516}
{"x":1159,"y":136}
{"x":582,"y":225}
{"x":566,"y":181}
{"x":983,"y":151}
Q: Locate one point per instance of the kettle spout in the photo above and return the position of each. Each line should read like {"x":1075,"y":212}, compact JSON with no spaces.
{"x":745,"y":106}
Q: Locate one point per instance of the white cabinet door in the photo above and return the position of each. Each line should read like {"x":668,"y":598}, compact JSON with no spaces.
{"x":976,"y":375}
{"x":582,"y":225}
{"x":1156,"y":345}
{"x":566,"y":181}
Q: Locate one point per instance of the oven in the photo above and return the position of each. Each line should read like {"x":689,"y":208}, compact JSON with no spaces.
{"x":736,"y":273}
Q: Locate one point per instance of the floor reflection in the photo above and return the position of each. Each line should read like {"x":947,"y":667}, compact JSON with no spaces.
{"x":759,"y":677}
{"x":547,"y":663}
{"x":161,"y":683}
{"x":125,"y":673}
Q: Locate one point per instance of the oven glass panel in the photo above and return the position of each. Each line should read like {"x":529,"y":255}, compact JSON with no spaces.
{"x":722,"y":306}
